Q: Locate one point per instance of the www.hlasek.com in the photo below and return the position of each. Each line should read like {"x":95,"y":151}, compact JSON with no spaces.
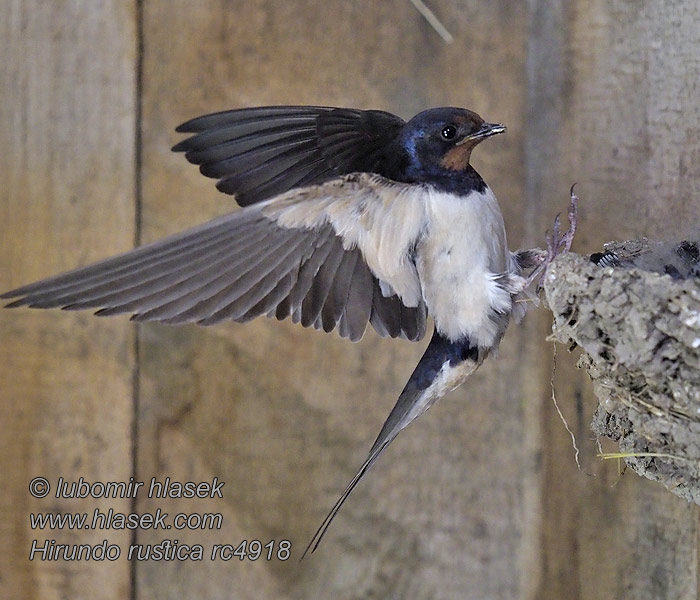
{"x":111,"y":519}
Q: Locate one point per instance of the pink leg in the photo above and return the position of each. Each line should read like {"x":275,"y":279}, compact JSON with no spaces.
{"x":556,"y":243}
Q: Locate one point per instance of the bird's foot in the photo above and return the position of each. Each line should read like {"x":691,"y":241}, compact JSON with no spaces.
{"x":557,"y":244}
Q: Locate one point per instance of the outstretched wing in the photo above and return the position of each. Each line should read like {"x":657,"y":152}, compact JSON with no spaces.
{"x":332,"y":255}
{"x":258,"y":153}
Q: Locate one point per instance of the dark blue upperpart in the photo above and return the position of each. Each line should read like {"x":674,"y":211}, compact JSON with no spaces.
{"x":421,"y":149}
{"x":439,"y":351}
{"x":257,"y":153}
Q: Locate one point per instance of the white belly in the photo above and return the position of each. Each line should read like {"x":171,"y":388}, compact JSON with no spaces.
{"x":459,"y":259}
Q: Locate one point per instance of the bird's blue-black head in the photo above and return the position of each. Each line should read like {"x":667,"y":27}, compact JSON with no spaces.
{"x":436,"y":146}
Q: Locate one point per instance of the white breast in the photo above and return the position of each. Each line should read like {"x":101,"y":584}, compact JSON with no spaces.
{"x":459,"y":259}
{"x":458,"y":244}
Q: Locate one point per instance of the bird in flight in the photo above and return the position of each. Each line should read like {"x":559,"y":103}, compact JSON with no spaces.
{"x":350,"y":217}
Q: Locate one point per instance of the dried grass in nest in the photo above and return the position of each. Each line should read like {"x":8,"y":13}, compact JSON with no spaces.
{"x":639,"y":329}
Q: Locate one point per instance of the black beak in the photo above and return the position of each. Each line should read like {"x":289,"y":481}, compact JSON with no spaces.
{"x":486,"y":130}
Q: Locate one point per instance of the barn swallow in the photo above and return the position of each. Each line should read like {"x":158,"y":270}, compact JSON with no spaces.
{"x":349,"y":217}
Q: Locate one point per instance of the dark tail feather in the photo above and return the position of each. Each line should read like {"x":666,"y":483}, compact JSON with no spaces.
{"x":443,"y":366}
{"x":321,"y":531}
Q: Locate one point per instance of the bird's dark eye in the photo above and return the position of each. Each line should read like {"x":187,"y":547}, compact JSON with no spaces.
{"x":449,"y":132}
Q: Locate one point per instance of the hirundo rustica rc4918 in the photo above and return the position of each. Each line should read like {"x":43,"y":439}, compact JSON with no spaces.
{"x":349,"y":217}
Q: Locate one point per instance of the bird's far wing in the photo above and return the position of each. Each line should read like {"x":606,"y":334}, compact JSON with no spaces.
{"x":249,"y":263}
{"x":258,"y":153}
{"x":443,"y":367}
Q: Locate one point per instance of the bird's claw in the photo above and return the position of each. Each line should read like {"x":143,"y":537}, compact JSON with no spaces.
{"x":563,"y":243}
{"x":557,"y":243}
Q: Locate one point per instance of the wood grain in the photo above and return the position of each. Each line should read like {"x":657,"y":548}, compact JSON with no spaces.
{"x":285,"y":415}
{"x":613,"y":107}
{"x":67,"y":92}
{"x":480,"y":498}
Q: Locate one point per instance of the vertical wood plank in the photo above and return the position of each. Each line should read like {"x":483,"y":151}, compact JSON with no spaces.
{"x":67,"y":91}
{"x":285,"y":415}
{"x":480,"y":498}
{"x":613,"y":105}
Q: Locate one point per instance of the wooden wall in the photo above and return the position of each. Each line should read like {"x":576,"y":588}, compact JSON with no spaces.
{"x":479,"y":499}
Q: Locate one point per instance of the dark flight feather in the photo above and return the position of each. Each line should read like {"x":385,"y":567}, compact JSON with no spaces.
{"x":443,"y":365}
{"x":257,"y":153}
{"x":241,"y":266}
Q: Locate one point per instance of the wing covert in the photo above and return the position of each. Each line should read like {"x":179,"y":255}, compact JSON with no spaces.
{"x":257,"y":153}
{"x":294,"y":256}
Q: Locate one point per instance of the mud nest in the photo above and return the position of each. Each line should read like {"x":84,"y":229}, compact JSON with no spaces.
{"x":634,"y":310}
